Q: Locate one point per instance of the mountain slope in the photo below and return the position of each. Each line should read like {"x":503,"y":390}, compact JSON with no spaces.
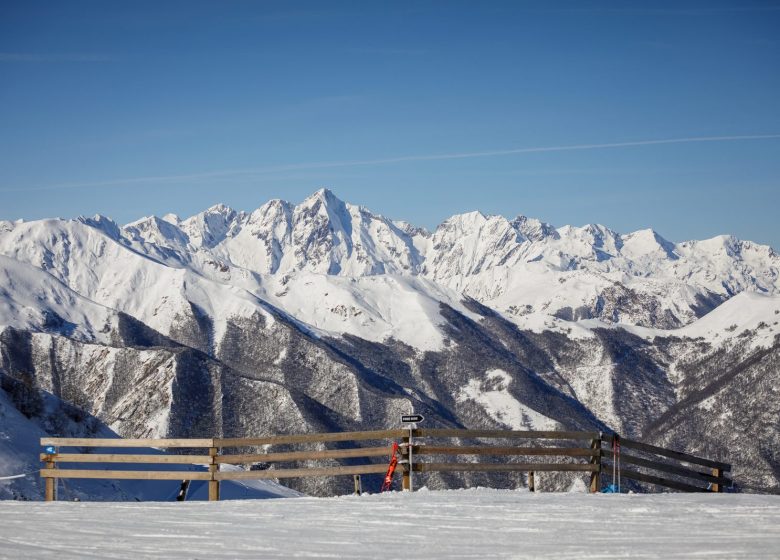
{"x":325,"y":316}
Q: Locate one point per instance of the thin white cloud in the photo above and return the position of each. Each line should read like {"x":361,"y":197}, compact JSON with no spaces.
{"x":385,"y":50}
{"x":384,"y":161}
{"x":640,"y":11}
{"x":44,"y":57}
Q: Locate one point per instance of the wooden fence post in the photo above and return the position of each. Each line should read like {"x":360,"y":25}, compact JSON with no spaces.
{"x":50,"y":482}
{"x":405,"y":480}
{"x":358,"y":485}
{"x":531,"y":482}
{"x":715,"y":486}
{"x":595,"y":477}
{"x":213,"y":483}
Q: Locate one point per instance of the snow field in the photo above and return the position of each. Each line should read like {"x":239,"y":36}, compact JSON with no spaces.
{"x":478,"y":523}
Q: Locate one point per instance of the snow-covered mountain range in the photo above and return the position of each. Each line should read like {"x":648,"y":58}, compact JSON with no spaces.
{"x":324,"y":315}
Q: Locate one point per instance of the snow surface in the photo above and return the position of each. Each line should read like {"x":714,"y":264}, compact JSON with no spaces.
{"x":375,"y":308}
{"x":19,"y":449}
{"x":32,"y":299}
{"x":745,"y":311}
{"x":478,"y":523}
{"x":753,"y":312}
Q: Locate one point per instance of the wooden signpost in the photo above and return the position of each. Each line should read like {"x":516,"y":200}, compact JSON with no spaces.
{"x":412,"y":420}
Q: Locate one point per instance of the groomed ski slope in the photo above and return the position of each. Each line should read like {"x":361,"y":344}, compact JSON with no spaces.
{"x":477,"y":523}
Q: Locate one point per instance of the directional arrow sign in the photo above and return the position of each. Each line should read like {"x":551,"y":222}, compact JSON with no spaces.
{"x":412,"y":418}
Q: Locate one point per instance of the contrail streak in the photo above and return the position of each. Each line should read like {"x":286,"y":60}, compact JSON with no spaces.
{"x":399,"y":159}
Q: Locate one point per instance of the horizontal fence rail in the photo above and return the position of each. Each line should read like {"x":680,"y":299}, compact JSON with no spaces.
{"x":505,"y":467}
{"x":465,"y":450}
{"x":507,"y":434}
{"x":310,"y":438}
{"x":305,"y":455}
{"x":687,"y":470}
{"x":565,"y":452}
{"x":107,"y":442}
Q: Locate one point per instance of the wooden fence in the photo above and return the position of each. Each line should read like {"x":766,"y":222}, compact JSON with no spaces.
{"x":421,"y":451}
{"x":689,"y":471}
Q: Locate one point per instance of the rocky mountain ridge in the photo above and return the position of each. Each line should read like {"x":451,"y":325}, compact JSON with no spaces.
{"x":325,"y":316}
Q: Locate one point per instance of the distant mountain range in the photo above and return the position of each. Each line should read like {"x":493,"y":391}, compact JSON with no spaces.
{"x":326,"y":316}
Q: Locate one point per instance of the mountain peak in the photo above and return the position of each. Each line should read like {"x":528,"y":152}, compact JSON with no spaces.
{"x":467,"y":220}
{"x":219,"y":208}
{"x":533,"y":229}
{"x":327,"y":205}
{"x":159,"y":231}
{"x":325,"y":195}
{"x":410,"y":229}
{"x":102,"y":223}
{"x":211,"y":226}
{"x":646,"y":242}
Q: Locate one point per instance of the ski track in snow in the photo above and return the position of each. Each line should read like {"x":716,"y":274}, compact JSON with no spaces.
{"x":477,"y":523}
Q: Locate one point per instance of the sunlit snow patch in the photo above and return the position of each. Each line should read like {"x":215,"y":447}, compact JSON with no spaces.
{"x":493,"y":395}
{"x":376,"y":308}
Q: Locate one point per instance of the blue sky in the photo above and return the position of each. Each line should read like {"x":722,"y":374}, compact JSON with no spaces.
{"x":138,"y":108}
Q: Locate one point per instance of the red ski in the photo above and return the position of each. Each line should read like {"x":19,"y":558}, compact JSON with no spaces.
{"x":391,"y":469}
